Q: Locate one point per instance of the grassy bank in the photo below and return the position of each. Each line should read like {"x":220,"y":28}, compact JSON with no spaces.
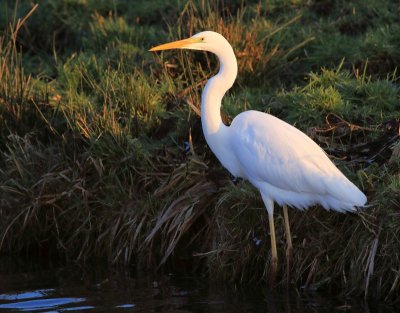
{"x":103,"y":157}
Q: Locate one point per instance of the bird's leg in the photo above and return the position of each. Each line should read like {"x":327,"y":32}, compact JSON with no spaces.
{"x":274,"y":253}
{"x":269,"y":205}
{"x":289,"y":246}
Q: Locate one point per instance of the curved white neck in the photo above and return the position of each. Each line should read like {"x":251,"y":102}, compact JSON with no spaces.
{"x":212,"y":95}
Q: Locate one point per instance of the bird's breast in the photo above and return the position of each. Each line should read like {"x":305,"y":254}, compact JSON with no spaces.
{"x":220,"y":144}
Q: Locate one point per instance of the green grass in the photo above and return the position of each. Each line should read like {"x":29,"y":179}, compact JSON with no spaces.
{"x":95,"y":130}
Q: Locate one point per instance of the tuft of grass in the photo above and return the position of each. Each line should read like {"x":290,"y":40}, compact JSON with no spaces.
{"x":354,"y":97}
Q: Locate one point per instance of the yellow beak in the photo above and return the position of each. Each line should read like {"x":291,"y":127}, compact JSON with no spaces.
{"x":180,"y":44}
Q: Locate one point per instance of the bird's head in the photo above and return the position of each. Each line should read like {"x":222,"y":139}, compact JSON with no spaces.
{"x":206,"y":41}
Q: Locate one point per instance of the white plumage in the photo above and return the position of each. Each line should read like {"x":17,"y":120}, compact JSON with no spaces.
{"x":287,"y":166}
{"x":283,"y":163}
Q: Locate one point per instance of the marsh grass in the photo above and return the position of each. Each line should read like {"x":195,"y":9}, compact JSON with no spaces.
{"x":102,"y":153}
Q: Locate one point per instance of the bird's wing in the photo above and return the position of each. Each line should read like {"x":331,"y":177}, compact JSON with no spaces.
{"x":272,"y":151}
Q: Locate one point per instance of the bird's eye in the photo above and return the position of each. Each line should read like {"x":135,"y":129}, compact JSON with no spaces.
{"x":202,"y":38}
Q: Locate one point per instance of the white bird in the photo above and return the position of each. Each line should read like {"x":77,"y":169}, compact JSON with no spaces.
{"x":283,"y":163}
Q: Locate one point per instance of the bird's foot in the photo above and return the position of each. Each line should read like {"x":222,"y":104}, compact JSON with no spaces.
{"x":273,"y":271}
{"x":289,"y":253}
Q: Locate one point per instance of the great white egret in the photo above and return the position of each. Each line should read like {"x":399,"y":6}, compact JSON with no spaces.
{"x":283,"y":163}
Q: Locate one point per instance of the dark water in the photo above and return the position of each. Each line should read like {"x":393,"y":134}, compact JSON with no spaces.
{"x":75,"y":289}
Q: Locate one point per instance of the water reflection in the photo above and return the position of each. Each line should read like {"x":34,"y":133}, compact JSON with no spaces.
{"x":26,"y":295}
{"x":35,"y":305}
{"x":94,"y":290}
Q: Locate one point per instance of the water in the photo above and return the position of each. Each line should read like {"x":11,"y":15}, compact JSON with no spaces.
{"x":75,"y":289}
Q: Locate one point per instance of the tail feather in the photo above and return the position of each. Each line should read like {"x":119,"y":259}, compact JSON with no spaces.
{"x":343,"y":195}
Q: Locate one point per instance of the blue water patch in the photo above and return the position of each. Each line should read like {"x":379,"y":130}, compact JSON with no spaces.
{"x":75,"y":308}
{"x":35,"y":305}
{"x":125,"y":306}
